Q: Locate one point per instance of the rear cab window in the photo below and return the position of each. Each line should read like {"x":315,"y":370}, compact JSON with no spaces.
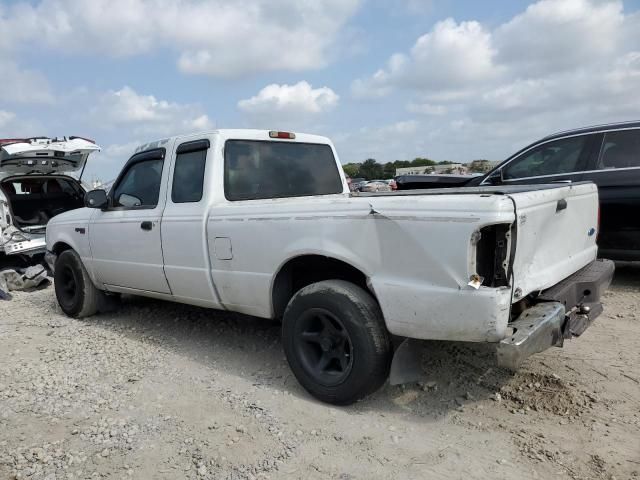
{"x":188,"y":173}
{"x":255,"y":169}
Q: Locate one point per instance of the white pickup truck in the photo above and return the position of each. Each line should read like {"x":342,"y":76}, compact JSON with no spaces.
{"x":263,"y":223}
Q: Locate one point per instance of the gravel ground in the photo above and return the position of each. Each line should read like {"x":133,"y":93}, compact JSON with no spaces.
{"x":165,"y":391}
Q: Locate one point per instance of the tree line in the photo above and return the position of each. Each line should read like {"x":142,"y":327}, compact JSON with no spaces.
{"x":370,"y":169}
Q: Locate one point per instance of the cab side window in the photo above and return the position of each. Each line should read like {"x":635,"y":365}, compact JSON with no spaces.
{"x":188,"y":173}
{"x":553,"y":158}
{"x":140,"y":185}
{"x":620,"y":150}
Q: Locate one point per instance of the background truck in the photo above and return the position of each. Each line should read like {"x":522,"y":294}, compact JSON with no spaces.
{"x":263,"y":223}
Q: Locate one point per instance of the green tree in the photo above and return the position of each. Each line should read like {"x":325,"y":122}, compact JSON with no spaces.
{"x":421,"y":162}
{"x":402,"y":163}
{"x":389,"y":170}
{"x":351,"y":169}
{"x":370,"y":169}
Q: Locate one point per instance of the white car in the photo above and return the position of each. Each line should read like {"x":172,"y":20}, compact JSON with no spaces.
{"x":263,"y":223}
{"x":35,"y":186}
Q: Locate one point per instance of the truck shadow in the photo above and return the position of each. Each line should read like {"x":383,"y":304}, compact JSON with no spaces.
{"x":627,"y":276}
{"x":455,"y":374}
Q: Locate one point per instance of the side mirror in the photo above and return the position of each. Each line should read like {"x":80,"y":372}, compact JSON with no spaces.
{"x":96,"y":199}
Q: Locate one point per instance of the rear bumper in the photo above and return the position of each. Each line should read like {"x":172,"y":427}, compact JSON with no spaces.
{"x":564,"y":311}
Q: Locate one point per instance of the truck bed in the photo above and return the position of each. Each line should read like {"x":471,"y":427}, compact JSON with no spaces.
{"x":485,"y":190}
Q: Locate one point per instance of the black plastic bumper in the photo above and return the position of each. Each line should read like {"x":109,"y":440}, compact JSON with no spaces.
{"x":563,"y":311}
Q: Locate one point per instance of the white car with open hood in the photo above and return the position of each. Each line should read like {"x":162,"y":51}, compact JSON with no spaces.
{"x":263,"y":223}
{"x":36,"y":185}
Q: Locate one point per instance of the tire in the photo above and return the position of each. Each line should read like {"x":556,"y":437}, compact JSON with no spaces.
{"x":76,"y":294}
{"x":336,"y":342}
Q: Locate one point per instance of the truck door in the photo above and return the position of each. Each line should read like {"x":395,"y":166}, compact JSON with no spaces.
{"x":125,"y":238}
{"x":183,"y":228}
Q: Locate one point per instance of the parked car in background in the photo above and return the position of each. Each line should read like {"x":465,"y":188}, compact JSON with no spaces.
{"x":392,"y":184}
{"x":263,"y":223}
{"x":35,"y":186}
{"x":375,"y":186}
{"x":354,"y":183}
{"x":608,"y":155}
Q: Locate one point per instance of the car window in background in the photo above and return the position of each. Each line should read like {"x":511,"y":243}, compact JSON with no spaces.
{"x":620,"y":150}
{"x":188,"y":176}
{"x":553,"y":158}
{"x":140,"y":185}
{"x":262,"y":169}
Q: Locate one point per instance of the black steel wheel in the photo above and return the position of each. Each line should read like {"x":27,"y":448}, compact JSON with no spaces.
{"x":324,"y":346}
{"x":336,"y":342}
{"x":75,"y":292}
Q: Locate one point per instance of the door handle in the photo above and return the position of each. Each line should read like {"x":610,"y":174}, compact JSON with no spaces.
{"x":146,"y":225}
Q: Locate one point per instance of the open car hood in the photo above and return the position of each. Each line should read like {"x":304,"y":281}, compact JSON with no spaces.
{"x":44,"y":155}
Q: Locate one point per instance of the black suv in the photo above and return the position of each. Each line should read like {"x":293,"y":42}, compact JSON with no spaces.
{"x":608,"y":155}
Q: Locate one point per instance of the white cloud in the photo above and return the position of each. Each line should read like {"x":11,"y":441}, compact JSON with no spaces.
{"x":213,"y":37}
{"x":449,"y":57}
{"x":106,"y":164}
{"x":300,"y":98}
{"x":5,"y":118}
{"x":147,"y":114}
{"x":22,"y":86}
{"x":559,"y":35}
{"x":485,"y":92}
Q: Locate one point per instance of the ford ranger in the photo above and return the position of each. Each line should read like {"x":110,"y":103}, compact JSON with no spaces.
{"x":263,"y":223}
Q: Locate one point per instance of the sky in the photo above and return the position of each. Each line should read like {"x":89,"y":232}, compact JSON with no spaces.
{"x":384,"y":79}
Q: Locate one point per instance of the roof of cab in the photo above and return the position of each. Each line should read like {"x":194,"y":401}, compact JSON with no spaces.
{"x":236,"y":133}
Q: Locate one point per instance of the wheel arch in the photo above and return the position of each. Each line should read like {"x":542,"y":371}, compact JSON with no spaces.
{"x":61,"y":246}
{"x":304,"y":269}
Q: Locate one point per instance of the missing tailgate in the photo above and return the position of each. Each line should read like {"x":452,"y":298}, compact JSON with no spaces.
{"x":492,"y":255}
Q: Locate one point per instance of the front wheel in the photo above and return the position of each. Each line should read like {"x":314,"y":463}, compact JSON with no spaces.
{"x":336,"y":342}
{"x":77,"y":295}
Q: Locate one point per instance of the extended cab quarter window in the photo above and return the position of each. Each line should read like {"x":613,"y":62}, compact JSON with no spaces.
{"x":263,"y":169}
{"x":188,"y":174}
{"x":620,"y":150}
{"x":552,"y":158}
{"x":140,"y":185}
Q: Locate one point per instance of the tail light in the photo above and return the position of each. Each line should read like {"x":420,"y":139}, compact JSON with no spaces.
{"x":276,"y":134}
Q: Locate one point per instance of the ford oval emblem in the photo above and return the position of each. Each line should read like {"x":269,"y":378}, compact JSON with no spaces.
{"x":592,"y":232}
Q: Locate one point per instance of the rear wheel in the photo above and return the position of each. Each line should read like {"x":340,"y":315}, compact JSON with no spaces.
{"x":336,"y":342}
{"x":76,"y":294}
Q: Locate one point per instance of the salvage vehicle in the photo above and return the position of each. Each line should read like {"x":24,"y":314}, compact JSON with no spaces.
{"x":607,"y":155}
{"x":35,"y":186}
{"x":263,"y":223}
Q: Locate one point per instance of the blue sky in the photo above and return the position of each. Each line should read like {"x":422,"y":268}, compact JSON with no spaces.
{"x":395,"y":79}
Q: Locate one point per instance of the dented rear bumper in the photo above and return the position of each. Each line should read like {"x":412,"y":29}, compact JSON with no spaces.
{"x":564,"y":311}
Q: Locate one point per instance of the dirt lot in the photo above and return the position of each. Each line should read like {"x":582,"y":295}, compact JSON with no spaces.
{"x":164,"y":391}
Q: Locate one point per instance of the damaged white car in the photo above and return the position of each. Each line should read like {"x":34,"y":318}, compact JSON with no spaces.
{"x":36,"y":185}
